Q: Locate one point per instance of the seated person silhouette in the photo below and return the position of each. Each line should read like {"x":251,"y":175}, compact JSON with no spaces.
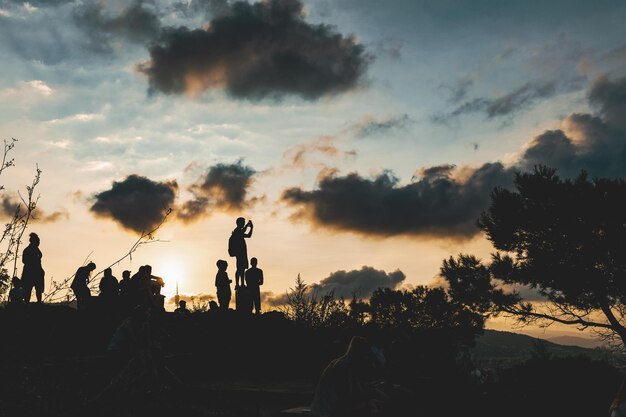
{"x":254,"y":279}
{"x":80,"y":285}
{"x":222,"y":282}
{"x":342,"y":389}
{"x":182,"y":307}
{"x":16,"y":295}
{"x":238,"y":248}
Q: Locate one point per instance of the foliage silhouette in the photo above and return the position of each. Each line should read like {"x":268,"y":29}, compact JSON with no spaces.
{"x":565,"y":239}
{"x":11,"y":237}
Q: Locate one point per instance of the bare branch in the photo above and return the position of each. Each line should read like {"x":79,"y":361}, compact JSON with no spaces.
{"x":144,"y":239}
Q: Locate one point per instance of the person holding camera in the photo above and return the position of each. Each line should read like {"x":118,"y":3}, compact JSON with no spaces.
{"x":237,"y":248}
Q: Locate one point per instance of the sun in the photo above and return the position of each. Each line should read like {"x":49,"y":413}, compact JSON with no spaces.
{"x":172,"y":270}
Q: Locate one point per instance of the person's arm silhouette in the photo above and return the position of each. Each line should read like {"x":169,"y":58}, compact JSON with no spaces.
{"x":249,"y":226}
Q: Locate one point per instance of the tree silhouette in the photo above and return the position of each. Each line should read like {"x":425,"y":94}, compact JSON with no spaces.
{"x":423,"y":308}
{"x":565,"y":239}
{"x":11,"y":236}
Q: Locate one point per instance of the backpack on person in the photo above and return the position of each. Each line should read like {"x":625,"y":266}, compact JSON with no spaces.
{"x":232,"y":245}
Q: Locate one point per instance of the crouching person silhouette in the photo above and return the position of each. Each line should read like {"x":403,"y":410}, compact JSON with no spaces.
{"x":80,"y":285}
{"x":222,"y":282}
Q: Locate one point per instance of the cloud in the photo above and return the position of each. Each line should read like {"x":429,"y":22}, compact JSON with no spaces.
{"x":445,"y":200}
{"x":504,"y":106}
{"x":595,"y":143}
{"x":9,"y":205}
{"x":190,"y":299}
{"x":256,"y":51}
{"x":436,"y":204}
{"x":458,"y":91}
{"x":222,"y":187}
{"x":136,"y":203}
{"x":370,"y":126}
{"x":135,"y":23}
{"x":362,"y":282}
{"x":210,"y":8}
{"x":303,"y":154}
{"x":269,"y":298}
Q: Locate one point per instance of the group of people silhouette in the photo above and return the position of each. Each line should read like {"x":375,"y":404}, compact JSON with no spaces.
{"x":143,"y":288}
{"x":248,"y":279}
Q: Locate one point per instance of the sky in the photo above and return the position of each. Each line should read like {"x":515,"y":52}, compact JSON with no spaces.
{"x":361,"y":137}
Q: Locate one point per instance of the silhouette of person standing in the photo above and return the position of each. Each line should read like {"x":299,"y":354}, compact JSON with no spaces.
{"x":80,"y":285}
{"x":254,"y":279}
{"x":237,"y":247}
{"x":141,"y":286}
{"x":33,"y":273}
{"x":125,"y":291}
{"x":222,"y":282}
{"x":109,"y":287}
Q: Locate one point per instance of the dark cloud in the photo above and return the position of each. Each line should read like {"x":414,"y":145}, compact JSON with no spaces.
{"x":222,"y":187}
{"x":436,"y":204}
{"x":505,"y":106}
{"x":445,"y":200}
{"x":458,"y":90}
{"x":260,"y":50}
{"x":370,"y":126}
{"x":9,"y":206}
{"x":360,"y":282}
{"x":39,"y":3}
{"x":136,"y":203}
{"x":135,"y":23}
{"x":609,"y":97}
{"x":595,"y":143}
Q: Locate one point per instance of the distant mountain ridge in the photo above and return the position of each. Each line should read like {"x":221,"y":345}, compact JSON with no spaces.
{"x":576,"y":341}
{"x":507,"y":346}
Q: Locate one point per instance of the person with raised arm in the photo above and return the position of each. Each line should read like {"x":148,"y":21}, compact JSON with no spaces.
{"x":238,"y":248}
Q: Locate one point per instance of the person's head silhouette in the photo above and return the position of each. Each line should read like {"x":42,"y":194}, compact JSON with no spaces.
{"x":126,"y":274}
{"x":91,"y":266}
{"x":108,"y":272}
{"x":148,"y":269}
{"x":253,"y":262}
{"x":33,"y":238}
{"x":182,"y":304}
{"x":241,"y":222}
{"x":222,"y":265}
